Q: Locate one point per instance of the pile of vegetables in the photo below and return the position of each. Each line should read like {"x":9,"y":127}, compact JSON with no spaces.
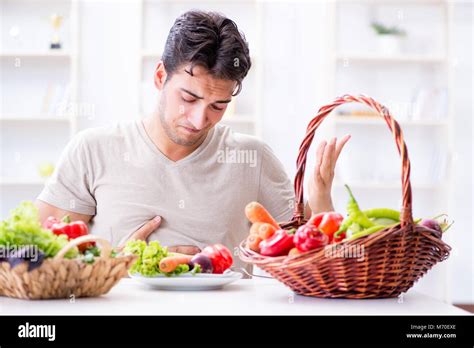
{"x":268,"y":239}
{"x":154,"y":259}
{"x":24,"y":239}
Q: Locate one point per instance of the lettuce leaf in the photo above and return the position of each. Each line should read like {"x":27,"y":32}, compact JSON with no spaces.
{"x":23,"y":227}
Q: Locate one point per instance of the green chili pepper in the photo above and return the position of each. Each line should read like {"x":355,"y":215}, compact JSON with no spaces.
{"x":361,"y":222}
{"x":384,"y":221}
{"x":367,"y":231}
{"x":355,"y":228}
{"x":383,"y":213}
{"x":355,"y":214}
{"x":338,"y":235}
{"x":344,"y":226}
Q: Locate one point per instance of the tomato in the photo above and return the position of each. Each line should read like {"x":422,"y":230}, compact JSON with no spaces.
{"x":220,"y":256}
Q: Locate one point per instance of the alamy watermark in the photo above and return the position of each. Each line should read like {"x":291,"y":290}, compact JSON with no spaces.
{"x":29,"y":252}
{"x":232,"y":156}
{"x":345,"y":251}
{"x":28,"y":330}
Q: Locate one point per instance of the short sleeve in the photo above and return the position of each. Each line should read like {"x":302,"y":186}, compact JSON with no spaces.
{"x":69,"y":186}
{"x":276,"y":192}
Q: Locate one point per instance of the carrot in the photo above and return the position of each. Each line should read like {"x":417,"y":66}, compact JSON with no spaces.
{"x":255,"y":212}
{"x":266,"y":231}
{"x":253,"y":242}
{"x":169,"y":263}
{"x":255,"y":228}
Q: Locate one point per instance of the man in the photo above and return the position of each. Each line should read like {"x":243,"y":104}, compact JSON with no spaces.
{"x":170,"y":177}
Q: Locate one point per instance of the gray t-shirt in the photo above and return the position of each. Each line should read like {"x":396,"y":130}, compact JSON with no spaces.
{"x":119,"y":176}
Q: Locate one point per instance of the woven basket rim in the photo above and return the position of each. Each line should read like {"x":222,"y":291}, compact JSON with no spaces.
{"x":285,"y":260}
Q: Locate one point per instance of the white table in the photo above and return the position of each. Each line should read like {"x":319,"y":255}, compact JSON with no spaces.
{"x":245,"y":297}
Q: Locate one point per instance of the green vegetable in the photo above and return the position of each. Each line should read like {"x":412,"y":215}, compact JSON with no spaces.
{"x":90,"y":254}
{"x":196,"y":269}
{"x":183,"y":268}
{"x":149,"y":257}
{"x":354,"y":228}
{"x":88,"y":258}
{"x":383,"y":213}
{"x":381,"y":29}
{"x":367,"y":232}
{"x":358,"y":222}
{"x":355,"y":214}
{"x":23,"y":227}
{"x":94,"y":250}
{"x":384,"y":221}
{"x":443,"y":221}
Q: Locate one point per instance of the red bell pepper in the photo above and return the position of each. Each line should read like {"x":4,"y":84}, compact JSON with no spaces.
{"x":309,"y":237}
{"x":72,"y":229}
{"x":280,"y":243}
{"x":316,"y":219}
{"x":328,"y":223}
{"x":220,"y":256}
{"x":338,"y":236}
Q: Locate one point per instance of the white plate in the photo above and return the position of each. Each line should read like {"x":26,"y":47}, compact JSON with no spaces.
{"x":188,"y":281}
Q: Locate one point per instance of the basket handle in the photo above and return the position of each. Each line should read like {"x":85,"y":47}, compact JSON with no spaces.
{"x":406,"y":216}
{"x":105,"y":246}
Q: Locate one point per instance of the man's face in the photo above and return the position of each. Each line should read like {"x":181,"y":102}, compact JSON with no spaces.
{"x":191,"y":105}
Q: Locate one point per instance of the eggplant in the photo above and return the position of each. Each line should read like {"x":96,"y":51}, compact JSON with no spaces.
{"x":3,"y":253}
{"x":432,"y":225}
{"x":190,"y":265}
{"x":15,"y":258}
{"x":203,"y":261}
{"x":28,"y":253}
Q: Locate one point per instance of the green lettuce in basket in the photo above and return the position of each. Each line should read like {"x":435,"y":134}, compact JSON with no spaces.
{"x":23,"y":227}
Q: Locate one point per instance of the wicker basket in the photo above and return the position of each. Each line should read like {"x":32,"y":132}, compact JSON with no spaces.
{"x":63,"y":278}
{"x":392,"y":259}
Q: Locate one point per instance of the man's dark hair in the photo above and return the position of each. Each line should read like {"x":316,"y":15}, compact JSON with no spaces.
{"x":210,"y":40}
